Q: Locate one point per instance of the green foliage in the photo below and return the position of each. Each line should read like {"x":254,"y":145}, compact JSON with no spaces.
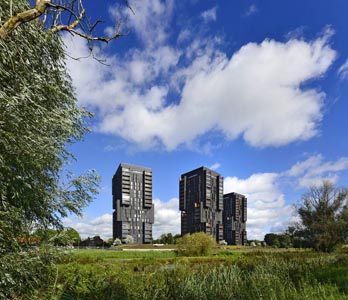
{"x":167,"y":239}
{"x":73,"y":237}
{"x":256,"y":275}
{"x":278,"y":240}
{"x":195,"y":244}
{"x":129,"y":240}
{"x":270,"y":238}
{"x":28,"y":274}
{"x":65,"y":237}
{"x":39,"y":118}
{"x":324,"y":216}
{"x":117,"y":242}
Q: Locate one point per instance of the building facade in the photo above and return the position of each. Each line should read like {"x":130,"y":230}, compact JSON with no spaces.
{"x":234,"y":219}
{"x":201,"y":202}
{"x":132,"y":203}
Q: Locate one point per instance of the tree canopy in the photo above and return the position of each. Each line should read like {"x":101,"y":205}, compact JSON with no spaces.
{"x":323,"y":212}
{"x":66,"y":237}
{"x":39,"y":118}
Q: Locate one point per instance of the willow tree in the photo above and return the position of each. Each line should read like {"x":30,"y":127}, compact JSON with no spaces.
{"x":39,"y":118}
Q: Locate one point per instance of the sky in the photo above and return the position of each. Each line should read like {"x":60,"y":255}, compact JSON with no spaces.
{"x":255,"y":90}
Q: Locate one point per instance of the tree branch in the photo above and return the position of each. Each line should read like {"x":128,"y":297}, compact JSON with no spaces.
{"x":78,"y":23}
{"x":26,"y":16}
{"x":86,"y":36}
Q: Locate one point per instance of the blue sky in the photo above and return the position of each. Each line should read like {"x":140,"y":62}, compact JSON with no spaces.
{"x":256,"y":90}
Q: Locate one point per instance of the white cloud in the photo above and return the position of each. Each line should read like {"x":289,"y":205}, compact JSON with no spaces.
{"x":89,"y":227}
{"x":167,"y":217}
{"x":167,"y":220}
{"x":209,"y":15}
{"x":184,"y":35}
{"x":255,"y":94}
{"x":343,"y":70}
{"x":297,"y":33}
{"x":215,"y":166}
{"x":261,"y":182}
{"x":268,"y":208}
{"x":266,"y":203}
{"x":252,"y":9}
{"x":151,"y":19}
{"x":314,"y":170}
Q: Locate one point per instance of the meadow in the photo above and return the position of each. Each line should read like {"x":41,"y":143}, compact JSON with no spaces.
{"x":224,"y":274}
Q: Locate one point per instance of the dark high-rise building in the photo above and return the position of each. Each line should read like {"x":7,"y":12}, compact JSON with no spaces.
{"x":234,"y":219}
{"x":201,"y":202}
{"x":132,"y":202}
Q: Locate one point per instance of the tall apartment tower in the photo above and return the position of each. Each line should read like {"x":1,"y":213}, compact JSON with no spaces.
{"x":132,"y":203}
{"x":234,"y":219}
{"x":201,"y":202}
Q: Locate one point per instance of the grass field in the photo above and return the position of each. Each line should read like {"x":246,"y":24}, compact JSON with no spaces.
{"x":231,"y":273}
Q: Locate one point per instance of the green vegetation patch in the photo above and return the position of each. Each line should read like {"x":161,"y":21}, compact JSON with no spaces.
{"x":225,"y":275}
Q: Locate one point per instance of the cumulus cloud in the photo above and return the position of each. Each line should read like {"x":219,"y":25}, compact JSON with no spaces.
{"x":266,"y":202}
{"x":255,"y":94}
{"x":151,"y":19}
{"x":315,"y":169}
{"x":167,"y":217}
{"x":89,"y":227}
{"x":269,"y":210}
{"x":167,"y":220}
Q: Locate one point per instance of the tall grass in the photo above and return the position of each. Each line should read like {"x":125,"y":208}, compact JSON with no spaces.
{"x":297,"y":275}
{"x":93,"y":255}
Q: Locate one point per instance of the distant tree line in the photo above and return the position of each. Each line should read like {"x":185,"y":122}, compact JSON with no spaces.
{"x":167,"y":238}
{"x":285,"y":240}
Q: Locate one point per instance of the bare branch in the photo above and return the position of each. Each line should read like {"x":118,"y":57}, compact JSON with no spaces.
{"x":88,"y":37}
{"x":52,"y":12}
{"x":87,"y":29}
{"x":129,"y":7}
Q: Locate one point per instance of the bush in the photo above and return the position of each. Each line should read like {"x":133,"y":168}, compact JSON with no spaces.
{"x":223,"y":243}
{"x":117,"y":242}
{"x":196,"y":244}
{"x":129,"y":240}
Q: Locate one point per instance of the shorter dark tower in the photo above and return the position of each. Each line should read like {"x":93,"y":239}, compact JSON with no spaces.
{"x":201,"y":202}
{"x":234,"y":219}
{"x":132,"y":202}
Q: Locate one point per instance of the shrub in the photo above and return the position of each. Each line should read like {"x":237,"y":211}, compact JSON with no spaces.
{"x":223,"y":243}
{"x":196,"y":244}
{"x":129,"y":239}
{"x":117,"y":242}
